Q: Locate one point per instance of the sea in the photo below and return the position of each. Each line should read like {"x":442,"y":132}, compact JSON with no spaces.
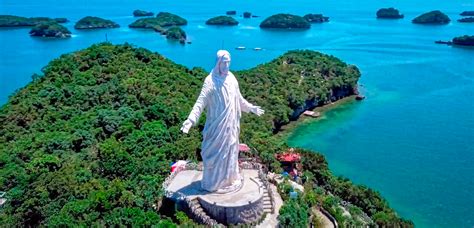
{"x":411,"y":139}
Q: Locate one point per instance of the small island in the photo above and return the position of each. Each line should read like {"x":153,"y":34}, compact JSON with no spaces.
{"x":142,"y":13}
{"x":463,"y":40}
{"x":315,"y":18}
{"x":247,"y":15}
{"x":466,"y":20}
{"x":467,"y":13}
{"x":90,"y":22}
{"x":389,"y":13}
{"x":222,"y":20}
{"x":50,"y":29}
{"x":433,"y":17}
{"x":285,"y":21}
{"x":17,"y":21}
{"x":169,"y":19}
{"x":231,"y":12}
{"x":176,"y":33}
{"x":163,"y":19}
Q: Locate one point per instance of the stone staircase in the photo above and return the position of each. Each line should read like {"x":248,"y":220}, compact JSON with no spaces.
{"x":267,"y":201}
{"x":200,"y":215}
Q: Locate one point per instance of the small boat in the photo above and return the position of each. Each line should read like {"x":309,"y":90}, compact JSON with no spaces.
{"x":311,"y":113}
{"x":257,"y":49}
{"x":240,"y":48}
{"x":360,"y":97}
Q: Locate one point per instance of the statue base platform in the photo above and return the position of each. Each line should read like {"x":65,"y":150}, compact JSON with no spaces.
{"x":244,"y":205}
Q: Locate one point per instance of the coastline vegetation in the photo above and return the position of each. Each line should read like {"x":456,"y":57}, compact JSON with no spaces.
{"x":432,"y":17}
{"x":17,"y":21}
{"x":50,"y":29}
{"x":91,"y":22}
{"x":285,"y":21}
{"x":389,"y":13}
{"x":222,"y":20}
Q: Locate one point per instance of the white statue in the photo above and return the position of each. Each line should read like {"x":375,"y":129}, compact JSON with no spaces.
{"x":220,"y":95}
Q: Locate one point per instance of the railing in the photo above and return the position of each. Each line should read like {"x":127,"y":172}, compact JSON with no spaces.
{"x":329,"y":216}
{"x":263,"y":178}
{"x":166,"y":183}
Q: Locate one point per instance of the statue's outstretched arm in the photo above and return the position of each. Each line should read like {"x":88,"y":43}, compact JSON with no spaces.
{"x":246,"y":106}
{"x":198,"y":108}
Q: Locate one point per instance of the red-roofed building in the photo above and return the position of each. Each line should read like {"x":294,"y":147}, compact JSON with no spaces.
{"x":288,"y":157}
{"x":244,"y":148}
{"x":290,"y":162}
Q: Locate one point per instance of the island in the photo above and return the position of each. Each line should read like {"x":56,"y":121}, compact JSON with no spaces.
{"x":91,"y":22}
{"x":93,"y":138}
{"x":50,"y":29}
{"x":285,"y":21}
{"x":222,"y":20}
{"x":17,"y":21}
{"x":142,"y":13}
{"x":247,"y":15}
{"x":163,"y":19}
{"x":231,"y":12}
{"x":433,"y":17}
{"x":467,"y":13}
{"x":465,"y":40}
{"x":176,"y":33}
{"x":466,"y":20}
{"x":315,"y":18}
{"x":389,"y":13}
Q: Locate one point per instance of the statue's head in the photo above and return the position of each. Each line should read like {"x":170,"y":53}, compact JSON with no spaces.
{"x":222,"y":62}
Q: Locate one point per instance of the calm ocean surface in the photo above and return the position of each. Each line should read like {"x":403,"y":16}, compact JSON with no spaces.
{"x":411,"y":139}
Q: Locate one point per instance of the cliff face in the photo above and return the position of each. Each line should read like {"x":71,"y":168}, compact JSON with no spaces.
{"x":335,"y":95}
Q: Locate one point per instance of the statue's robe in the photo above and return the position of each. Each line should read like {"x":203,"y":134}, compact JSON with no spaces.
{"x":220,"y":95}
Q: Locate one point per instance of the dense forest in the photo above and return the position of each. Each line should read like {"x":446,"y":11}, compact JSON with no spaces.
{"x":90,"y":141}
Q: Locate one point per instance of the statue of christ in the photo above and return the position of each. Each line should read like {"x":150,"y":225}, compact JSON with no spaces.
{"x":220,"y":96}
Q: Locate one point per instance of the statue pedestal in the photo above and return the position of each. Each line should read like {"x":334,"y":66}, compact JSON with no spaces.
{"x":241,"y":206}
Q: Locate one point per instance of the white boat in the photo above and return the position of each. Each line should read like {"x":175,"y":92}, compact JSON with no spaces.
{"x":257,"y":49}
{"x":240,"y":48}
{"x":311,"y":113}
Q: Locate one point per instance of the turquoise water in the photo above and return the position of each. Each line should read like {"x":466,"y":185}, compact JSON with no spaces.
{"x":411,"y":139}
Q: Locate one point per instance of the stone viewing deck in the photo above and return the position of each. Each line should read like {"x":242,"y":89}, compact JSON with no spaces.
{"x":247,"y":205}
